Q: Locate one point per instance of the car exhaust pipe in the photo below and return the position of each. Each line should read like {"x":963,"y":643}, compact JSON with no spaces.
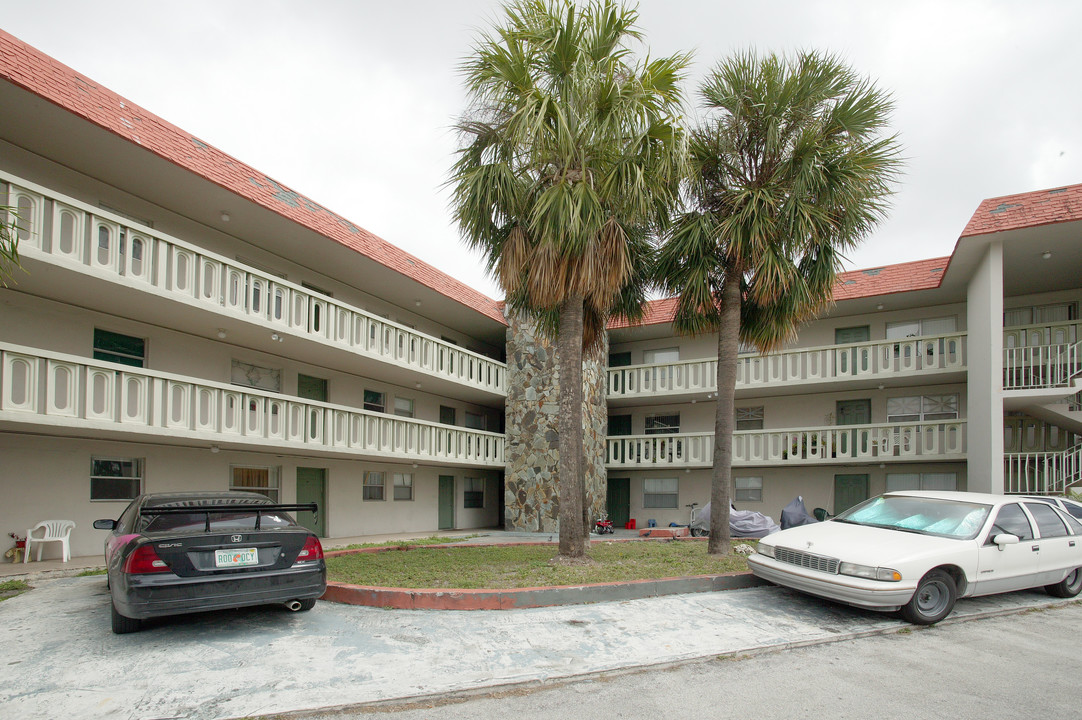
{"x":293,"y":605}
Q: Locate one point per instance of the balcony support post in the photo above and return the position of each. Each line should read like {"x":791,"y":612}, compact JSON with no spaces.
{"x":984,"y":316}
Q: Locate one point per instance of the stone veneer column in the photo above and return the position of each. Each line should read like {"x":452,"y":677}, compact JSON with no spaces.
{"x":532,"y":493}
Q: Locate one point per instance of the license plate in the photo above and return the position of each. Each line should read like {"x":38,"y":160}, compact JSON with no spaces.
{"x":236,"y":557}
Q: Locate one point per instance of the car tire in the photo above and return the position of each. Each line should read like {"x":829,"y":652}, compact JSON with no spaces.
{"x":1068,"y":587}
{"x":123,"y":624}
{"x":934,"y":599}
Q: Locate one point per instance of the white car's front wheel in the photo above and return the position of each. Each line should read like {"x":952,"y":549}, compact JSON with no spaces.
{"x":933,"y":600}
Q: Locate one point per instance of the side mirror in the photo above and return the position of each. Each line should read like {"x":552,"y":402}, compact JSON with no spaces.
{"x":1004,"y":539}
{"x":105,"y":524}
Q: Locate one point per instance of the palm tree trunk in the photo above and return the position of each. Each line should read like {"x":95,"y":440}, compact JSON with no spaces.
{"x":572,"y":483}
{"x":724,"y":415}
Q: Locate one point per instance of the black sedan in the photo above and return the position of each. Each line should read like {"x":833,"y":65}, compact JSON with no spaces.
{"x":177,"y":553}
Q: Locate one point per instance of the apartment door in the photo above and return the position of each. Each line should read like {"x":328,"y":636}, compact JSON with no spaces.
{"x":849,"y":490}
{"x":311,"y":388}
{"x":853,"y":412}
{"x":618,"y":501}
{"x":312,"y":487}
{"x":447,"y":502}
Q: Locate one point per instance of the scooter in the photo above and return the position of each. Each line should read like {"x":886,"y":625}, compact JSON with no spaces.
{"x":603,"y":526}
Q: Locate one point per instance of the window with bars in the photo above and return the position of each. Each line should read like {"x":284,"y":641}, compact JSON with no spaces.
{"x":117,"y":348}
{"x":263,"y":480}
{"x":403,"y":486}
{"x":373,"y":486}
{"x":473,"y":495}
{"x":750,"y":418}
{"x":920,"y":408}
{"x":114,"y":478}
{"x":663,"y":424}
{"x":660,"y":492}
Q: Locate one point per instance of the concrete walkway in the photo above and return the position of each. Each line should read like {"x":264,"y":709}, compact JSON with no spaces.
{"x":61,"y":660}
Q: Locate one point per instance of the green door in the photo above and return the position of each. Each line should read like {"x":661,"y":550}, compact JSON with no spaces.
{"x":312,"y":487}
{"x":447,"y":502}
{"x":618,"y":501}
{"x":311,"y":388}
{"x":849,"y":490}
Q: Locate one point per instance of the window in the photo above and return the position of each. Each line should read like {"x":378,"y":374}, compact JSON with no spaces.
{"x":314,"y":288}
{"x":447,"y":415}
{"x":850,"y":335}
{"x":263,"y":480}
{"x":373,"y":486}
{"x":255,"y":376}
{"x":749,"y":418}
{"x":661,"y":356}
{"x":473,"y":495}
{"x":919,"y":328}
{"x":620,"y":359}
{"x":1048,"y":522}
{"x":921,"y":481}
{"x":748,"y":489}
{"x":403,"y":407}
{"x":117,"y":348}
{"x":374,"y":401}
{"x":918,"y":408}
{"x":1038,"y":314}
{"x":660,"y":492}
{"x":115,"y":478}
{"x":662,"y":424}
{"x":1012,"y":521}
{"x":475,"y":421}
{"x":403,"y":486}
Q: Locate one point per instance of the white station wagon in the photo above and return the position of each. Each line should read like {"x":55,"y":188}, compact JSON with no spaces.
{"x":918,"y":552}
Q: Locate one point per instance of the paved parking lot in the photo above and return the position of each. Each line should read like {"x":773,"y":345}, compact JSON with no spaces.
{"x":61,"y":660}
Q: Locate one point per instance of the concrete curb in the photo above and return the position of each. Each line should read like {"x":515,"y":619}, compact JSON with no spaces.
{"x":511,"y":599}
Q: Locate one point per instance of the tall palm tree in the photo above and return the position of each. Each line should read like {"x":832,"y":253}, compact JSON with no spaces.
{"x":570,"y":156}
{"x":9,"y":244}
{"x":790,"y":168}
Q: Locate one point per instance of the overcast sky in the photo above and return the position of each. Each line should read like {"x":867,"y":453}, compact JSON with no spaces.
{"x":351,"y":102}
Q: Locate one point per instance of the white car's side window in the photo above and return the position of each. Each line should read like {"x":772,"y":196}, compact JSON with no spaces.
{"x":1011,"y":521}
{"x":1048,"y":520}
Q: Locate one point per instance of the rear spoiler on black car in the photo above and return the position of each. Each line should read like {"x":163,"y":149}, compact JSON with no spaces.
{"x":209,"y":510}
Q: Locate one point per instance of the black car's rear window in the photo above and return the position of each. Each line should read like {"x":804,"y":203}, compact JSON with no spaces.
{"x":197,"y":521}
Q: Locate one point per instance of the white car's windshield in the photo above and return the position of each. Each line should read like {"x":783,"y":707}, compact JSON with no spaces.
{"x":927,"y":516}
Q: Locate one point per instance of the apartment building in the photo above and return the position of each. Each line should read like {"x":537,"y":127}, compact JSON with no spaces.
{"x":186,"y":322}
{"x":957,"y":372}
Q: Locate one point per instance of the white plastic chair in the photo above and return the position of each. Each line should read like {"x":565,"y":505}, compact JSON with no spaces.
{"x":54,"y":531}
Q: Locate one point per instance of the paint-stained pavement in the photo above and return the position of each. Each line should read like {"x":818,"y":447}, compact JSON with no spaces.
{"x":60,"y":658}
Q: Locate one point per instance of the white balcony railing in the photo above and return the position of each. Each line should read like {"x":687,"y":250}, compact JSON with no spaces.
{"x":1042,"y":473}
{"x":46,"y":388}
{"x":879,"y":359}
{"x":115,"y":249}
{"x":940,"y":440}
{"x":1042,"y":366}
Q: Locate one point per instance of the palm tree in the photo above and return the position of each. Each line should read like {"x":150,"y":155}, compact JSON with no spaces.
{"x":570,"y":156}
{"x":790,"y":168}
{"x":9,"y":244}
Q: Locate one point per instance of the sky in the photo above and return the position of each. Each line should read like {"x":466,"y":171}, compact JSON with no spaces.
{"x":352,"y":103}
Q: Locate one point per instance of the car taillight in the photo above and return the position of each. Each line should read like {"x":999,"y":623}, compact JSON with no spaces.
{"x":144,"y":560}
{"x":312,"y":550}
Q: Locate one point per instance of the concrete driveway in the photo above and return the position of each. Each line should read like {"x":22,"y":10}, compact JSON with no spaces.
{"x":61,"y":660}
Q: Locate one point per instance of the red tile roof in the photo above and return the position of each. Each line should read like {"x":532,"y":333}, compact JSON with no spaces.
{"x":852,"y":285}
{"x":1031,"y":209}
{"x":40,"y":74}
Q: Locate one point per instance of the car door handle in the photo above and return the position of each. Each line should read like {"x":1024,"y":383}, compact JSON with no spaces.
{"x":1035,"y":548}
{"x":1070,"y":543}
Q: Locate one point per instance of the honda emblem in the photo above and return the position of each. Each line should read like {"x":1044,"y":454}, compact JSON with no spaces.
{"x":236,"y":538}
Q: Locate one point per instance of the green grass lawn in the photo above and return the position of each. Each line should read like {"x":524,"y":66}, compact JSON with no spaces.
{"x":11,"y":588}
{"x":519,"y":566}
